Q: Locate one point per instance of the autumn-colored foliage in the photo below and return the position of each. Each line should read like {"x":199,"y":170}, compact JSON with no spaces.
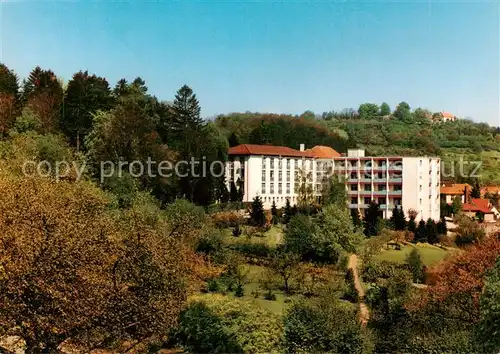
{"x":456,"y":283}
{"x":70,"y":270}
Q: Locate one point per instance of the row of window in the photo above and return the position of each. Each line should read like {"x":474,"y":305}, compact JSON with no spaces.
{"x":308,"y":164}
{"x":380,"y":188}
{"x":380,"y":201}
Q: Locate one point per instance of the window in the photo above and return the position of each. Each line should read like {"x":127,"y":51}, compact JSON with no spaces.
{"x":280,"y":163}
{"x":296,"y":163}
{"x":288,"y":176}
{"x":353,"y":175}
{"x":354,"y":200}
{"x":319,"y":165}
{"x":368,"y":187}
{"x":319,"y":176}
{"x":420,"y":201}
{"x":263,"y":163}
{"x":398,"y":187}
{"x":381,"y":175}
{"x":381,"y":188}
{"x":271,"y":189}
{"x":354,"y":187}
{"x":397,"y":201}
{"x":271,"y":174}
{"x":318,"y":187}
{"x":272,"y":162}
{"x":288,"y":188}
{"x":296,"y":188}
{"x":280,"y":175}
{"x":381,"y":201}
{"x":287,"y":164}
{"x":367,"y":200}
{"x":263,"y":176}
{"x":420,"y":188}
{"x":263,"y":188}
{"x":280,"y":188}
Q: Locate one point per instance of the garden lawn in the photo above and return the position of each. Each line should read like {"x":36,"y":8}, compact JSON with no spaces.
{"x":430,"y":254}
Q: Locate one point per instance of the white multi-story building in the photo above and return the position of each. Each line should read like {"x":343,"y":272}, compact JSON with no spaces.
{"x":275,"y":173}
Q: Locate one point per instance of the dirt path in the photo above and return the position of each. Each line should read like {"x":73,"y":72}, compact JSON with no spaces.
{"x":364,"y":314}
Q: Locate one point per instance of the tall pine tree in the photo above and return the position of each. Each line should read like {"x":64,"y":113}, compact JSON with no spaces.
{"x":372,"y":219}
{"x":257,"y":215}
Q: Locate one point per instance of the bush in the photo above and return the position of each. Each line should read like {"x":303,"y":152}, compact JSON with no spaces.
{"x":227,"y":219}
{"x":326,"y":325}
{"x":374,"y":270}
{"x":350,"y":292}
{"x":217,"y":324}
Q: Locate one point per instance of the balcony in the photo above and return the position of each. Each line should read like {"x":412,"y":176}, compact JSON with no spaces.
{"x":380,"y":193}
{"x":395,"y":192}
{"x":353,"y":206}
{"x":395,"y":180}
{"x":352,"y":180}
{"x":352,"y":192}
{"x":380,"y":180}
{"x":365,"y":180}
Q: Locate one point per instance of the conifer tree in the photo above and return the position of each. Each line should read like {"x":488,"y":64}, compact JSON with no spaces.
{"x":431,"y":231}
{"x":356,"y":219}
{"x":233,"y":192}
{"x":257,"y":215}
{"x":421,"y":232}
{"x":372,"y":219}
{"x":442,"y":228}
{"x":287,"y":214}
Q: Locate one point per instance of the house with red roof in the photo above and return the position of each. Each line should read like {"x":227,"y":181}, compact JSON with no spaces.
{"x":476,"y":207}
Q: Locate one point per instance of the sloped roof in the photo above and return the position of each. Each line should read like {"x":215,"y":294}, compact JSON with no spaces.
{"x":448,"y":115}
{"x":478,"y":205}
{"x":455,"y":189}
{"x":490,"y":189}
{"x":318,"y":151}
{"x":251,"y":149}
{"x":323,"y":152}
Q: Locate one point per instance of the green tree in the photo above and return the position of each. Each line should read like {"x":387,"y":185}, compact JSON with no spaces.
{"x":9,"y":97}
{"x":285,"y":264}
{"x":368,"y":111}
{"x":398,"y":219}
{"x":412,"y":225}
{"x":335,"y":192}
{"x":257,"y":215}
{"x":233,"y":192}
{"x":421,"y":232}
{"x":287,"y":212}
{"x":431,"y":231}
{"x":274,"y":210}
{"x":456,"y":205}
{"x":385,"y":110}
{"x":324,"y":325}
{"x":476,"y":190}
{"x":85,"y":95}
{"x":488,"y":328}
{"x":402,"y":112}
{"x":416,"y":266}
{"x":442,"y":228}
{"x":372,"y":219}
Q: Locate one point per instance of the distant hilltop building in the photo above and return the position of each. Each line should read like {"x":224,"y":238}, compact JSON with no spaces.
{"x":276,"y":173}
{"x":448,"y":117}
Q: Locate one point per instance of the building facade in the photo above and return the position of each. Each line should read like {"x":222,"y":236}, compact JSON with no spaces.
{"x":277,"y":173}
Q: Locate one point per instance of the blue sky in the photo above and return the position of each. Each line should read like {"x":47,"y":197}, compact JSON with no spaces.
{"x":267,"y":56}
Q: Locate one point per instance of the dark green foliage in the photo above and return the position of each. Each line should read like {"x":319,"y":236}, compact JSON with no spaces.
{"x":287,"y":212}
{"x":374,"y":270}
{"x":372,"y":219}
{"x":398,"y":219}
{"x":385,"y":110}
{"x":257,"y":249}
{"x":274,"y":210}
{"x":257,"y":216}
{"x":476,"y":190}
{"x":239,"y":291}
{"x":456,"y":205}
{"x":412,"y":225}
{"x":85,"y":95}
{"x":431,"y":231}
{"x":9,"y":82}
{"x":356,"y":219}
{"x":237,"y":231}
{"x":281,"y":130}
{"x":233,"y":192}
{"x":402,"y":112}
{"x":442,"y":229}
{"x":350,"y":293}
{"x":416,"y":266}
{"x":421,"y":232}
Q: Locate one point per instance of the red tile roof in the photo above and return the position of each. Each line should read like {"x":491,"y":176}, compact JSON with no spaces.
{"x":455,"y":189}
{"x":324,"y":152}
{"x":251,"y":149}
{"x":478,"y":205}
{"x":448,"y":115}
{"x":490,"y":189}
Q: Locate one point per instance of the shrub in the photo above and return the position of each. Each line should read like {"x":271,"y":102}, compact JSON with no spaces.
{"x":217,"y":324}
{"x":227,"y":219}
{"x":374,"y":270}
{"x":254,"y":249}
